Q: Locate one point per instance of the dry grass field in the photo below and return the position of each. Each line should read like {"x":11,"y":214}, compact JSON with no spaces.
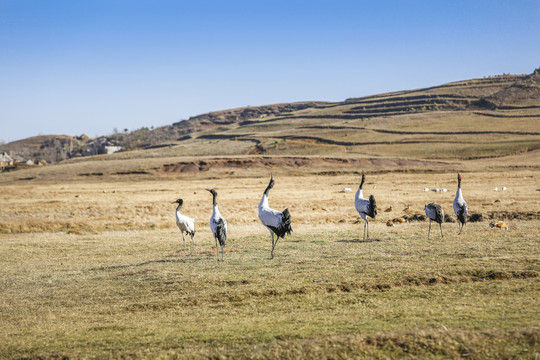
{"x":94,"y":267}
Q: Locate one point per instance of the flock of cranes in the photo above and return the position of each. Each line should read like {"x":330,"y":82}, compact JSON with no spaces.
{"x":279,"y":223}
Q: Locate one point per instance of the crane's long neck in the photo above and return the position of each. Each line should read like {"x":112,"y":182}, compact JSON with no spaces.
{"x":264,"y":199}
{"x":215,"y":209}
{"x":459,"y":195}
{"x":360,"y":192}
{"x":178,"y":208}
{"x":267,"y":191}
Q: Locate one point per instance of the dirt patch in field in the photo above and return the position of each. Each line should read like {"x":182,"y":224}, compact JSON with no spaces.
{"x":513,"y":215}
{"x":479,"y":217}
{"x":294,"y":163}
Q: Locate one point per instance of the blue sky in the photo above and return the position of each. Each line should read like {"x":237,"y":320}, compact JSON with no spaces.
{"x":72,"y":67}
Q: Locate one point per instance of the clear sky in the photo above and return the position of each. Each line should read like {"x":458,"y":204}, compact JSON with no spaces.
{"x":90,"y":66}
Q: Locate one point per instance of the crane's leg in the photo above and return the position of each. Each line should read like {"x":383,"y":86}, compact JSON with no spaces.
{"x":192,"y":240}
{"x":184,"y":240}
{"x":460,"y":226}
{"x":222,"y":254}
{"x":429,"y":230}
{"x":440,"y":226}
{"x":365,"y":223}
{"x":277,"y":239}
{"x":273,"y":245}
{"x":217,"y":250}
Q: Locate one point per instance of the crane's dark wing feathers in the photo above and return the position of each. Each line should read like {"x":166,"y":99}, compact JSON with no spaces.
{"x":372,"y":207}
{"x":463,"y":214}
{"x":284,"y":227}
{"x":439,"y":215}
{"x":221,"y":232}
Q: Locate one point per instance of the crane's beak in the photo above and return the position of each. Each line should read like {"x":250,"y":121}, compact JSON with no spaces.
{"x":208,"y":190}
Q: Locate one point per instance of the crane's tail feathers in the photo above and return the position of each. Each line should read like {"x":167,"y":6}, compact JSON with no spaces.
{"x":285,"y":226}
{"x":221,"y":232}
{"x":372,"y":211}
{"x":439,"y":215}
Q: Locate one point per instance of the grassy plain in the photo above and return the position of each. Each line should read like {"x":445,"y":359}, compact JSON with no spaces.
{"x":95,"y":268}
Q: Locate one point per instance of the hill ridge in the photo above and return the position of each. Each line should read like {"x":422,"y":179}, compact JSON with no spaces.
{"x":510,"y":97}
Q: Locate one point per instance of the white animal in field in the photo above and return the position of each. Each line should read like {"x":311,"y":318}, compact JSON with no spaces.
{"x":184,"y":223}
{"x":461,"y":209}
{"x":278,"y":223}
{"x":218,"y":225}
{"x":365,"y":207}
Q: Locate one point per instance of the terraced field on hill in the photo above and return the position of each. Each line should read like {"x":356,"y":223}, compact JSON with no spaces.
{"x":452,"y":121}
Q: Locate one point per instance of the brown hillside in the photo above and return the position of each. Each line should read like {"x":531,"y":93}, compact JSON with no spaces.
{"x":491,"y":117}
{"x":524,"y":92}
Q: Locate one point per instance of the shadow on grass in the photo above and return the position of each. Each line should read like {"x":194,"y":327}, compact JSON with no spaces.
{"x":144,"y":263}
{"x":359,"y":241}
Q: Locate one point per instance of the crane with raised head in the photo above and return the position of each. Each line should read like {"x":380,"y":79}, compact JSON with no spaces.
{"x":278,"y":223}
{"x":460,"y":206}
{"x":218,"y":225}
{"x":365,"y":207}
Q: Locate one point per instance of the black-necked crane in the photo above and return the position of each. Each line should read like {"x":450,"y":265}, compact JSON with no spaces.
{"x":460,"y":206}
{"x":218,"y":225}
{"x":278,"y":223}
{"x":365,"y":207}
{"x":184,"y":223}
{"x":435,"y":213}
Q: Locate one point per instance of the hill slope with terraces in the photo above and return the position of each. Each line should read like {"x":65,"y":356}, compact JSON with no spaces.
{"x":490,"y":118}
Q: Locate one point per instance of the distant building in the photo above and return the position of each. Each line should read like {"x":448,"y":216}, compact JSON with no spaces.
{"x":109,"y":147}
{"x":101,"y":147}
{"x":6,"y":160}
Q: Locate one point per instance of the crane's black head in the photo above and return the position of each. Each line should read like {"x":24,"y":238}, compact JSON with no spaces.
{"x":459,"y":176}
{"x":272,"y":181}
{"x":270,"y":184}
{"x":214,"y":197}
{"x":363,"y":179}
{"x":179,"y":201}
